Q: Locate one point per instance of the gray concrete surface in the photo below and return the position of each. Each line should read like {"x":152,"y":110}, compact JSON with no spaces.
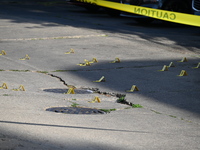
{"x":170,"y":117}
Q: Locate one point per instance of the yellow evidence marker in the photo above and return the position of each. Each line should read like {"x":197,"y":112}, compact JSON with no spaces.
{"x":133,"y":88}
{"x":198,"y":66}
{"x":4,"y":86}
{"x":71,"y":51}
{"x":96,"y":99}
{"x":183,"y":73}
{"x":21,"y":88}
{"x":171,"y":64}
{"x":25,"y":58}
{"x":94,"y":60}
{"x":184,"y":59}
{"x":165,"y":68}
{"x":70,"y":91}
{"x":87,"y":63}
{"x":102,"y":79}
{"x":117,"y":60}
{"x":3,"y":52}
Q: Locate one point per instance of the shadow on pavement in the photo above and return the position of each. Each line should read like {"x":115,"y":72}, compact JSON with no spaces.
{"x":10,"y":141}
{"x":165,"y":87}
{"x":73,"y":127}
{"x":47,"y":15}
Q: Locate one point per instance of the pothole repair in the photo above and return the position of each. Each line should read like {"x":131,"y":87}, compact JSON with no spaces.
{"x":76,"y":110}
{"x":62,"y":91}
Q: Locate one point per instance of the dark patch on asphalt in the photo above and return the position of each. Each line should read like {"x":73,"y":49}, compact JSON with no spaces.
{"x":75,"y":110}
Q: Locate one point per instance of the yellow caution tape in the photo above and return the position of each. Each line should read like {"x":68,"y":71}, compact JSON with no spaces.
{"x":176,"y":17}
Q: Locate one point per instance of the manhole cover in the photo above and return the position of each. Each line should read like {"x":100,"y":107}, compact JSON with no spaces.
{"x":75,"y":110}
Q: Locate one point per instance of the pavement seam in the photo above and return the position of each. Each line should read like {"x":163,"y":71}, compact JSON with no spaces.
{"x":173,"y":116}
{"x":95,"y":90}
{"x":54,"y":38}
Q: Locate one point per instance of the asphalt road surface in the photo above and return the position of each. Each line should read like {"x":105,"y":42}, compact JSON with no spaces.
{"x":48,"y":46}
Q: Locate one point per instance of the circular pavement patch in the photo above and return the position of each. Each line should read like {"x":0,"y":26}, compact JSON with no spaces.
{"x":75,"y":110}
{"x":62,"y":91}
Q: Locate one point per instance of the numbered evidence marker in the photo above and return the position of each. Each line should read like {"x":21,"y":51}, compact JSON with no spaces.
{"x":165,"y":68}
{"x":87,"y":63}
{"x":4,"y":86}
{"x":102,"y":79}
{"x":198,"y":66}
{"x":184,"y":59}
{"x":70,"y":91}
{"x":96,"y":99}
{"x":21,"y":88}
{"x":133,"y":88}
{"x":71,"y":51}
{"x":171,"y":64}
{"x":183,"y":73}
{"x":94,"y":60}
{"x":3,"y":52}
{"x":25,"y":58}
{"x":117,"y":60}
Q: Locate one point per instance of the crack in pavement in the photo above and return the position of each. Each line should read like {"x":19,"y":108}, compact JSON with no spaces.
{"x":95,"y":90}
